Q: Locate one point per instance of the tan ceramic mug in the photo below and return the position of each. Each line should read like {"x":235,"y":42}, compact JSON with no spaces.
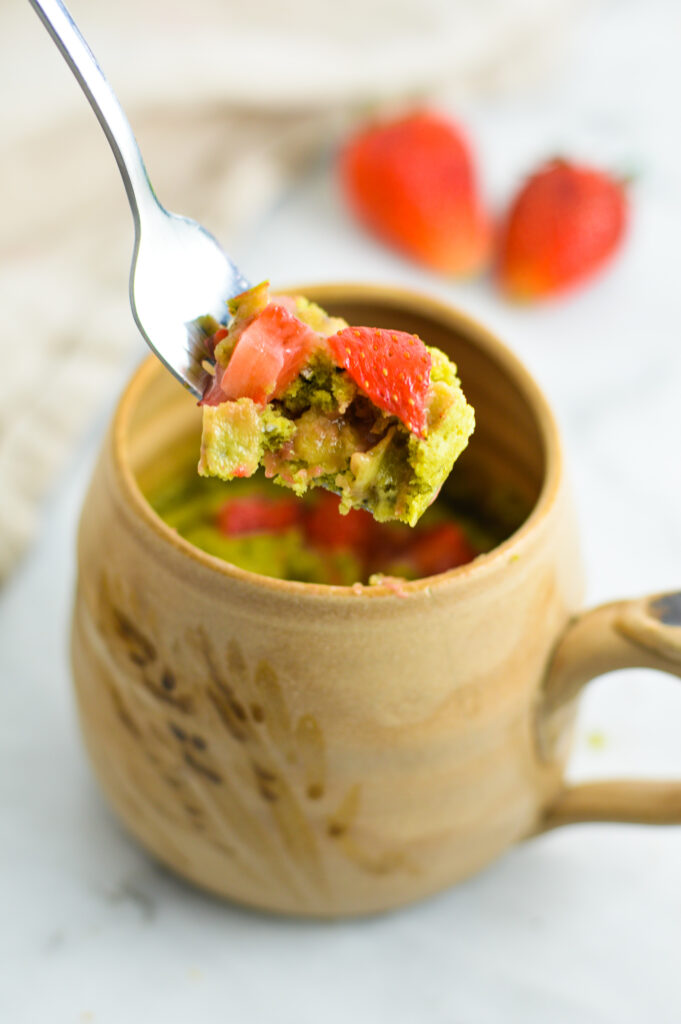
{"x":309,"y":750}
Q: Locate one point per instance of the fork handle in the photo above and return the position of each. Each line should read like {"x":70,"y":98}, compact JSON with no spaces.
{"x":79,"y":57}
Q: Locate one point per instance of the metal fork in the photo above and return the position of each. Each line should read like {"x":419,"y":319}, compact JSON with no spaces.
{"x":179,"y":273}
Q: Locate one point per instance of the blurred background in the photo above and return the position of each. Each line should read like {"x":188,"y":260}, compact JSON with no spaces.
{"x":240,"y":109}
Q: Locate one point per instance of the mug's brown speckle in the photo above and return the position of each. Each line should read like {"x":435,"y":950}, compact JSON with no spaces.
{"x":202,"y":769}
{"x":238,"y":709}
{"x":345,"y":814}
{"x":268,"y":793}
{"x":224,"y":710}
{"x":266,"y":782}
{"x":264,"y":773}
{"x":168,"y":681}
{"x":177,"y":731}
{"x":257,"y":713}
{"x":141,"y":651}
{"x":199,"y":742}
{"x":181,"y":702}
{"x":315,"y":791}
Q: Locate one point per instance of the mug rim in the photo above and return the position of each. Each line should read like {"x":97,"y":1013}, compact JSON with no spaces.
{"x":410,"y":300}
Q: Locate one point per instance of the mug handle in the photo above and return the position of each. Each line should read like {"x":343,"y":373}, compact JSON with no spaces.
{"x":643,"y":633}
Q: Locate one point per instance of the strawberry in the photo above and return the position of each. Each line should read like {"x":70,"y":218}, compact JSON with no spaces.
{"x":439,"y":548}
{"x":213,"y":393}
{"x":564,"y":225}
{"x":257,"y":514}
{"x":412,"y":182}
{"x":271,"y":351}
{"x":391,"y":367}
{"x":326,"y":528}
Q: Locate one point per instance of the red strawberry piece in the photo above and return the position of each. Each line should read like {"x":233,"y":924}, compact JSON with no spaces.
{"x":213,"y":393}
{"x":566,"y":222}
{"x":325,"y":527}
{"x":256,"y":514}
{"x":412,"y":182}
{"x":439,"y":548}
{"x":270,"y":353}
{"x":391,"y":367}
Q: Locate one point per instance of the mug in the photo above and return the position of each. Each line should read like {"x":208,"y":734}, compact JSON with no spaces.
{"x":322,"y":750}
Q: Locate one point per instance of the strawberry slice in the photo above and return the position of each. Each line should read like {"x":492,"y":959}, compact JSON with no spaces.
{"x":270,"y":353}
{"x":256,"y":514}
{"x":391,"y":367}
{"x":438,"y":549}
{"x":326,"y":528}
{"x":213,"y":393}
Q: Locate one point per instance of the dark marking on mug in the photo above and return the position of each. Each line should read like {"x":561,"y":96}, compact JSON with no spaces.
{"x":178,"y":732}
{"x":345,"y":814}
{"x":202,"y":769}
{"x":168,"y":680}
{"x":199,"y":742}
{"x":336,"y":829}
{"x":224,"y":710}
{"x":181,"y":702}
{"x":263,"y":773}
{"x":257,"y":713}
{"x":267,"y":793}
{"x":237,"y":709}
{"x":141,"y":651}
{"x":667,"y":609}
{"x":267,"y":782}
{"x":315,"y":791}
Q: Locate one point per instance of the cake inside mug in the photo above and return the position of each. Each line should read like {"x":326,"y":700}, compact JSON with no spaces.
{"x":256,"y":526}
{"x":374,"y":415}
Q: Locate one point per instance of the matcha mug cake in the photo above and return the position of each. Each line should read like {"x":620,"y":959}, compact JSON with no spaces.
{"x":323,"y":749}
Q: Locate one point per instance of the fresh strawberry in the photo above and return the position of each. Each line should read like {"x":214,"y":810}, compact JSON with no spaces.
{"x":565,"y":223}
{"x":257,"y":514}
{"x":412,"y":182}
{"x":391,"y":367}
{"x":326,"y":528}
{"x":270,"y":353}
{"x":439,"y":548}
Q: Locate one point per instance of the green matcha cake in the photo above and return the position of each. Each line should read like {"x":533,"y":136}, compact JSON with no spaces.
{"x":371,"y":414}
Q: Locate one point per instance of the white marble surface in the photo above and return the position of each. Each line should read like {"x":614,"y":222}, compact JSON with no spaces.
{"x":580,"y":927}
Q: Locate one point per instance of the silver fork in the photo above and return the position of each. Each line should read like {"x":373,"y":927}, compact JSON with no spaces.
{"x":179,"y":273}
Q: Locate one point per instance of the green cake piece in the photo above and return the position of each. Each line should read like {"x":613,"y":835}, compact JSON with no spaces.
{"x":373,"y":415}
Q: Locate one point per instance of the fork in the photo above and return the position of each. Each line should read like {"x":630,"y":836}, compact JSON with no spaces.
{"x":179,"y":274}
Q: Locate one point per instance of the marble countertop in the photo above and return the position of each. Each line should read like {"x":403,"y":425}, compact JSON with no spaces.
{"x":581,"y":926}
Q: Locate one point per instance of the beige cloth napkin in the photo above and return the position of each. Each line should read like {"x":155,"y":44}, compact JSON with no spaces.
{"x":228,"y":100}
